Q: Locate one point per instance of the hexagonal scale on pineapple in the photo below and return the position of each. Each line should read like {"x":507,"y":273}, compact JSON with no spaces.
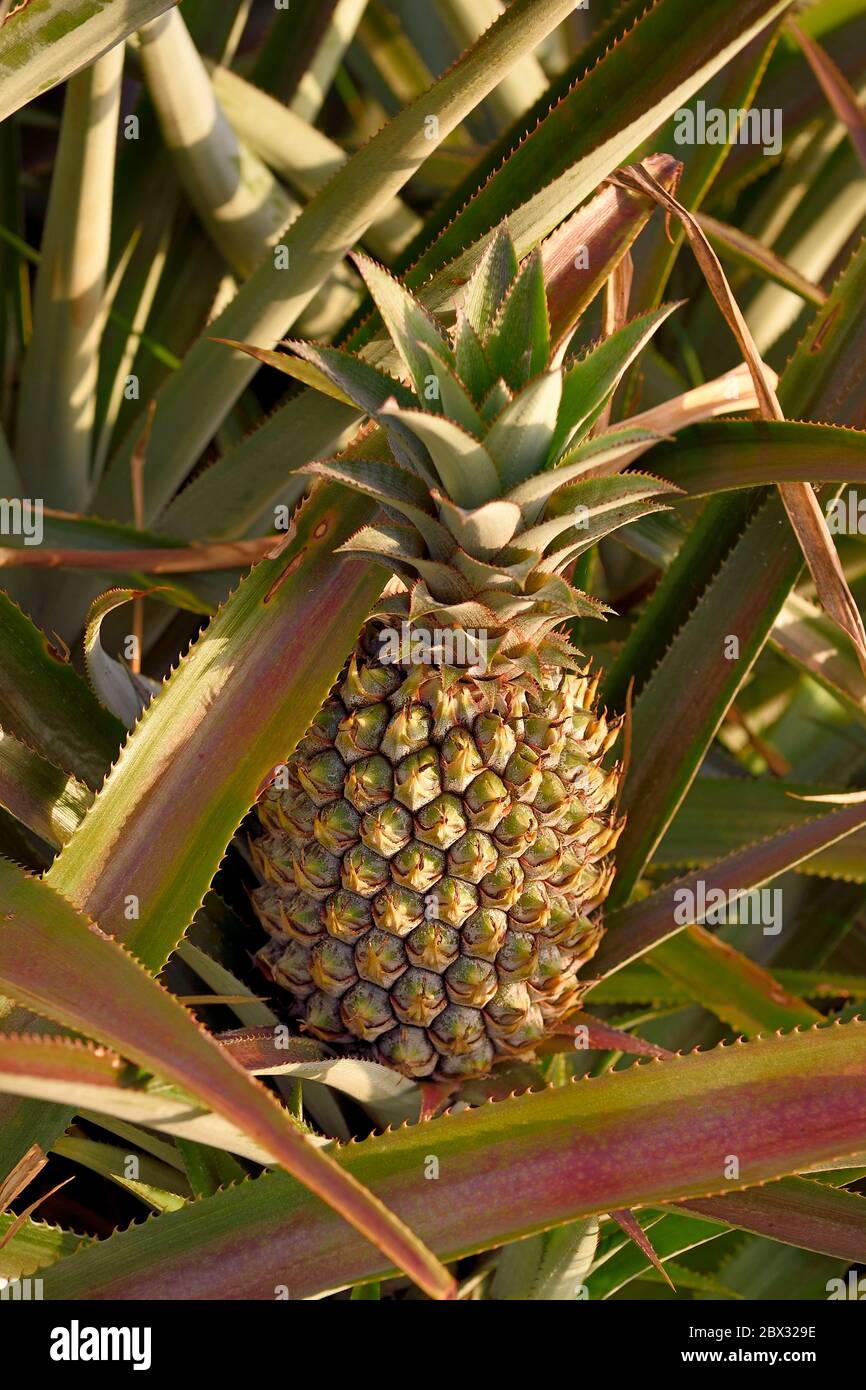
{"x":347,"y":916}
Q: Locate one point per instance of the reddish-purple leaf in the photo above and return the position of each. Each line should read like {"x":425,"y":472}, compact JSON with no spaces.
{"x":797,"y":1211}
{"x":655,"y":1133}
{"x":633,"y":930}
{"x":626,"y":1220}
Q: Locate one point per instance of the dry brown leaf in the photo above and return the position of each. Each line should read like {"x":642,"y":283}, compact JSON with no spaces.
{"x":22,"y":1175}
{"x":616,"y":298}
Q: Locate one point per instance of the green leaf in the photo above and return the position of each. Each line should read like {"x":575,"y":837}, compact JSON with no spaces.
{"x":807,"y":637}
{"x":14,"y":283}
{"x":682,"y":1277}
{"x":229,"y":713}
{"x":816,"y":235}
{"x":265,"y":1054}
{"x":651,"y":1133}
{"x":409,"y":325}
{"x":235,"y":490}
{"x":596,"y":507}
{"x":68,"y":540}
{"x":232,"y":495}
{"x":520,"y":438}
{"x":736,"y":989}
{"x":734,"y":87}
{"x":295,"y":367}
{"x":367,"y":1293}
{"x":447,"y":393}
{"x":341,"y":23}
{"x":547,"y":1268}
{"x":391,"y":486}
{"x":10,"y":479}
{"x":836,"y":88}
{"x":156,"y":1184}
{"x":47,"y":948}
{"x":640,"y":982}
{"x":568,"y":1254}
{"x":43,"y":44}
{"x":56,"y":405}
{"x":722,"y":815}
{"x":196,"y":398}
{"x":465,"y":467}
{"x":526,"y":83}
{"x":38,"y":794}
{"x":471,"y":363}
{"x":98,"y":1086}
{"x":490,"y":282}
{"x":736,"y":244}
{"x":671,"y":1234}
{"x":239,"y":202}
{"x":633,"y":930}
{"x":760,"y":1268}
{"x":279,"y":66}
{"x":221,"y":980}
{"x":304,"y":157}
{"x":45,"y":703}
{"x":589,"y":383}
{"x":363,"y":384}
{"x":208,"y":1169}
{"x":518,"y":344}
{"x":721,"y":455}
{"x":597,"y":124}
{"x":136,"y":1138}
{"x":741,"y":560}
{"x":33,"y":1246}
{"x":594,"y":459}
{"x":797,"y":1211}
{"x":821,"y":381}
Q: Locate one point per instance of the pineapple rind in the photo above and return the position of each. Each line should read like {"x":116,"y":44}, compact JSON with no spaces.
{"x":434,"y":898}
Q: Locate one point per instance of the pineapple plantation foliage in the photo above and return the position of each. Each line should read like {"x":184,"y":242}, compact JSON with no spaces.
{"x":432,"y":671}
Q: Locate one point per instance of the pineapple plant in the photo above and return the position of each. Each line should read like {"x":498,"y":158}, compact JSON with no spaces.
{"x":384,"y":752}
{"x":434,"y":855}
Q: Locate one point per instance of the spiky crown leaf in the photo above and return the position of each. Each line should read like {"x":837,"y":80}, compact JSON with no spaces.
{"x":481,"y":457}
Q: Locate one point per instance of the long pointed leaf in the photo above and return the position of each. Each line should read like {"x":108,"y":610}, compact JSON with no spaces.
{"x":635,"y":929}
{"x":43,"y":798}
{"x":741,"y":562}
{"x":722,"y":455}
{"x":47,"y":949}
{"x":46,"y":704}
{"x":630,"y":1138}
{"x":226,"y":717}
{"x":42,"y":44}
{"x":196,"y":398}
{"x":57,"y":404}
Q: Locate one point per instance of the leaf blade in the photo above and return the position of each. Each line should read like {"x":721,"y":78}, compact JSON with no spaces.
{"x":47,"y":948}
{"x":578,"y":1153}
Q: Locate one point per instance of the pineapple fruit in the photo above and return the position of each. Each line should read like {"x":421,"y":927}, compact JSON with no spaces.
{"x":434,"y":854}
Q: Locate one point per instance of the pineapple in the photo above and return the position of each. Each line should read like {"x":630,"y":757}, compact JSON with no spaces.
{"x":434,"y":854}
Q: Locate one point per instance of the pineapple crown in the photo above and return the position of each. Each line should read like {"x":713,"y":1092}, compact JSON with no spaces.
{"x":482,"y":456}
